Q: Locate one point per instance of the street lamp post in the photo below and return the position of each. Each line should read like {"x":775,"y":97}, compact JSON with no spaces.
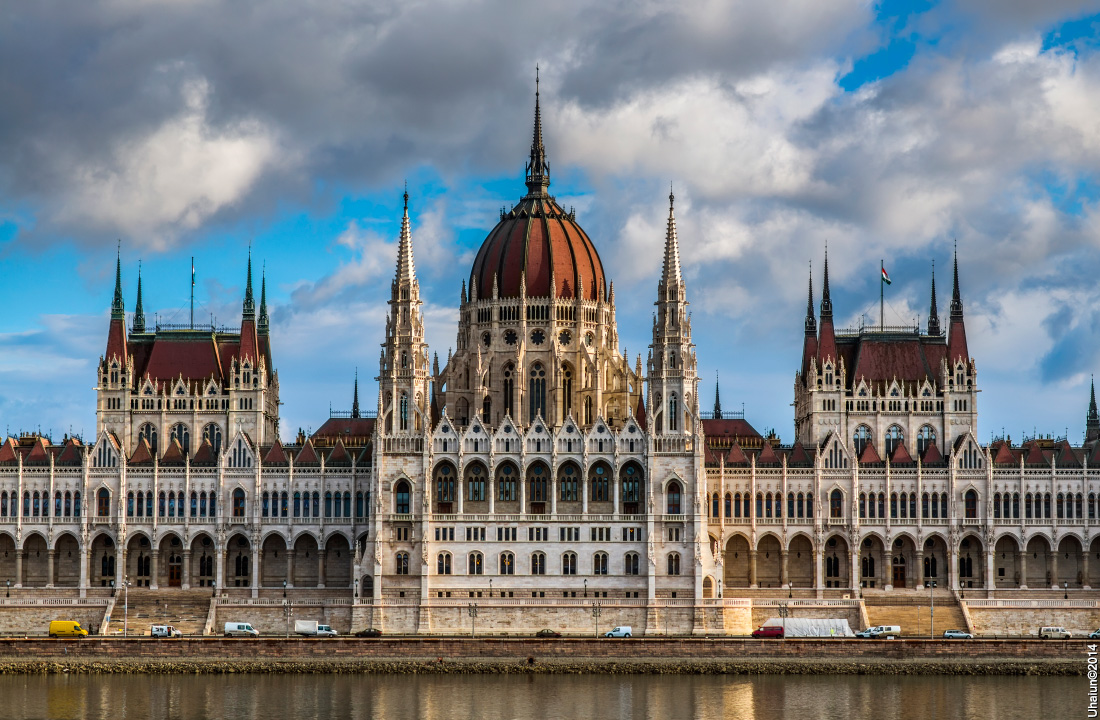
{"x":125,"y":607}
{"x":585,"y":587}
{"x":790,"y":590}
{"x":490,"y":587}
{"x":472,"y":610}
{"x":719,"y":588}
{"x":932,"y":611}
{"x":286,"y":610}
{"x":7,"y":593}
{"x":596,"y":611}
{"x":1065,"y":589}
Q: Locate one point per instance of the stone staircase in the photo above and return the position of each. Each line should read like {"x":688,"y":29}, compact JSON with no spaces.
{"x":911,"y":612}
{"x":186,"y":610}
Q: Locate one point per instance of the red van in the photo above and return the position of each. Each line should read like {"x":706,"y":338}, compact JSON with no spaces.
{"x":768,"y":631}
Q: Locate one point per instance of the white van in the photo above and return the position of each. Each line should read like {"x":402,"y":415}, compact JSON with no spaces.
{"x":1054,"y":633}
{"x":164,"y":631}
{"x":622,"y":631}
{"x":240,"y":628}
{"x":880,"y":631}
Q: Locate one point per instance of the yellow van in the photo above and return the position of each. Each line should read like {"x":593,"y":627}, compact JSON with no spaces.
{"x":66,"y":628}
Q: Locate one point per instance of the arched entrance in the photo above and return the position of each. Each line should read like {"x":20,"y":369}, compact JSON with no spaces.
{"x":102,"y":570}
{"x":768,"y":562}
{"x":238,"y":562}
{"x":203,"y":560}
{"x":1094,"y":564}
{"x":837,"y":572}
{"x":971,"y":562}
{"x":170,"y":565}
{"x":35,"y":562}
{"x":902,"y":563}
{"x":1070,"y":571}
{"x":736,"y":562}
{"x":933,"y":562}
{"x":871,"y":555}
{"x":66,"y":564}
{"x":708,"y":587}
{"x":800,"y":562}
{"x":7,"y":558}
{"x":305,"y":562}
{"x":1006,"y":556}
{"x":338,"y":562}
{"x":273,"y":562}
{"x":1037,"y":560}
{"x":139,"y":561}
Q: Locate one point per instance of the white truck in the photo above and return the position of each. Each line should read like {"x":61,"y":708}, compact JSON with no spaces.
{"x":311,"y":628}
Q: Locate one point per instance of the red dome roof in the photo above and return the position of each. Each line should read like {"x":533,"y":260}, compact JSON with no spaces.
{"x":540,"y":239}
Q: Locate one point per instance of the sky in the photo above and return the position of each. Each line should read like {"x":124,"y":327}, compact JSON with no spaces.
{"x":172,"y":129}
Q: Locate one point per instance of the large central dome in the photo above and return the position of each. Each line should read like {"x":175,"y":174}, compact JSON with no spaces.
{"x":537,"y":241}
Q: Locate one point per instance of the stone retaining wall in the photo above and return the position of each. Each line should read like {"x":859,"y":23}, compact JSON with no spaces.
{"x":35,"y":619}
{"x":1026,"y":621}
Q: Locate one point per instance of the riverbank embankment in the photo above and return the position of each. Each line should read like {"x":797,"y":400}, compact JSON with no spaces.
{"x":555,"y":656}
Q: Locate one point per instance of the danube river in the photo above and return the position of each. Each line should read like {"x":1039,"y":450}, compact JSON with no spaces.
{"x":195,"y":697}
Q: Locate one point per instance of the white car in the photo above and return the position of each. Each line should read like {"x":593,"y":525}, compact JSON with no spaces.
{"x":957,"y":635}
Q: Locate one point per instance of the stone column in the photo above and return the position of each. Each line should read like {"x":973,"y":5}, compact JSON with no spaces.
{"x":321,"y":555}
{"x":1022,"y":557}
{"x":1052,"y":557}
{"x":819,"y":567}
{"x":51,"y":555}
{"x":920,"y":568}
{"x":186,"y":579}
{"x":85,"y":561}
{"x":854,"y":568}
{"x":784,"y":578}
{"x":19,"y":568}
{"x":219,"y":568}
{"x":1085,"y":571}
{"x":255,"y":570}
{"x":953,"y":568}
{"x":154,"y":569}
{"x":990,"y":575}
{"x":289,"y":568}
{"x":752,"y":569}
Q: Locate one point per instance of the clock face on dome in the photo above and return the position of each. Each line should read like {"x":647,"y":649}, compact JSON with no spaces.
{"x":510,"y":337}
{"x":538,"y":337}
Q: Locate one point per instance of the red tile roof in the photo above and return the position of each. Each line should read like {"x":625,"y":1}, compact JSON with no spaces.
{"x":799,"y":457}
{"x":205,"y":454}
{"x":352,"y":430}
{"x":901,"y":455}
{"x":639,"y":414}
{"x":932,"y":455}
{"x":339,"y":455}
{"x":143,"y":455}
{"x":731,"y":428}
{"x":8,"y":451}
{"x":736,"y":455}
{"x":173,"y":454}
{"x":72,"y":453}
{"x":870,"y":455}
{"x":38,"y":453}
{"x":1035,"y":455}
{"x":768,"y":456}
{"x":171,"y":356}
{"x":275,"y":455}
{"x":1003,"y":455}
{"x":307,"y":455}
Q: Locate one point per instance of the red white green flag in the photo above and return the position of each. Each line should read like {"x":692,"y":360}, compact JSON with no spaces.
{"x":885,"y":277}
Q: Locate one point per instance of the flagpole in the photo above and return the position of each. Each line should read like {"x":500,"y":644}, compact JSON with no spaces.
{"x":881,"y":283}
{"x":192,"y":292}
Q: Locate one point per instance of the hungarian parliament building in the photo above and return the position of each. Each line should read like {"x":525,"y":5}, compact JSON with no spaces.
{"x":539,"y":461}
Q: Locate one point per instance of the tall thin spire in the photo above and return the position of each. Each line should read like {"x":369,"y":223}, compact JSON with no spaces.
{"x":671,"y":274}
{"x":249,"y":303}
{"x":956,"y":296}
{"x":406,"y":268}
{"x":139,"y":311}
{"x":118,"y":307}
{"x":717,"y":399}
{"x":826,"y":302}
{"x":811,"y":321}
{"x":355,"y":396}
{"x":264,"y":321}
{"x":538,"y":169}
{"x":933,"y":311}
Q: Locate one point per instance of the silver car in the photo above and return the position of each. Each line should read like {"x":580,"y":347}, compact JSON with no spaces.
{"x":957,"y":635}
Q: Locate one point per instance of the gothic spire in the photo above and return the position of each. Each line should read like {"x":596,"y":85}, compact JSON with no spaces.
{"x":118,"y":307}
{"x":355,"y":396}
{"x":1092,"y":420}
{"x":406,"y":268}
{"x":826,"y":302}
{"x":956,"y":297}
{"x":264,"y":320}
{"x":538,"y":169}
{"x":811,"y":321}
{"x":139,"y":311}
{"x":933,"y":311}
{"x":717,"y":399}
{"x":249,"y":303}
{"x":671,"y":274}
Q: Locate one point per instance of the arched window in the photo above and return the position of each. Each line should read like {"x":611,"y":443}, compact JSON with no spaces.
{"x":809,"y":505}
{"x":506,"y":483}
{"x":103,"y":503}
{"x":238,"y":503}
{"x":836,"y":504}
{"x":130,"y":504}
{"x":194,"y":504}
{"x":673,"y":564}
{"x":860,"y":438}
{"x":401,"y":499}
{"x":732,"y":507}
{"x":971,"y":503}
{"x":1046,"y":506}
{"x":801,"y":505}
{"x":568,"y":484}
{"x":298,"y":504}
{"x":284,"y":503}
{"x":631,"y":480}
{"x":569,"y":563}
{"x":402,"y":563}
{"x":566,"y":390}
{"x":359,"y":507}
{"x":507,"y":564}
{"x":347,"y":503}
{"x":403,"y":412}
{"x":202,"y":504}
{"x":149,"y":432}
{"x":673,"y":413}
{"x":162,"y":504}
{"x":265,"y":503}
{"x":715,"y":506}
{"x":894,"y":437}
{"x":630,"y":564}
{"x":926,"y":436}
{"x":509,"y":390}
{"x":599,"y":478}
{"x":328,"y":503}
{"x":213,"y":433}
{"x":538,"y":564}
{"x":893,"y":506}
{"x":536,"y":391}
{"x":674,"y":498}
{"x":599,"y":563}
{"x":537,"y":483}
{"x":862,"y":506}
{"x":181,"y":434}
{"x":443,"y":564}
{"x":588,"y":410}
{"x":474,"y":564}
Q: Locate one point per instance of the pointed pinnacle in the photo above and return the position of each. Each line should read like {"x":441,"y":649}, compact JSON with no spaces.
{"x":139,"y":311}
{"x":956,"y":296}
{"x":118,"y":307}
{"x":249,"y":303}
{"x":933,"y":310}
{"x":406,"y":268}
{"x":826,"y":302}
{"x":671,"y":270}
{"x":811,"y":322}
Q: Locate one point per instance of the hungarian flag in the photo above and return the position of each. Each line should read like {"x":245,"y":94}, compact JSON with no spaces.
{"x":885,"y":277}
{"x":193,"y":272}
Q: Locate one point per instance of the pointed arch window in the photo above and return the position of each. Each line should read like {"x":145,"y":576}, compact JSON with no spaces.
{"x":149,"y":432}
{"x":509,"y":390}
{"x":860,"y":438}
{"x":536,"y":391}
{"x":674,"y":498}
{"x":403,"y":412}
{"x":213,"y":434}
{"x":894,"y":437}
{"x":401,"y":499}
{"x":566,"y":390}
{"x":925,"y":438}
{"x":182,"y":435}
{"x":673,"y":413}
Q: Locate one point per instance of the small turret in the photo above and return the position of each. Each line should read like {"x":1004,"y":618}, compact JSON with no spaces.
{"x":139,"y":311}
{"x":933,"y":311}
{"x":1092,"y":420}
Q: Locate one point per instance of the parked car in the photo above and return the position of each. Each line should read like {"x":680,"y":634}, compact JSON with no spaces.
{"x":66,"y":628}
{"x":768,"y":631}
{"x":957,"y":635}
{"x":369,"y":633}
{"x":548,"y":633}
{"x":1094,"y":635}
{"x":164,"y":631}
{"x":621,"y":631}
{"x":240,"y":629}
{"x":1054,"y":632}
{"x":312,"y":628}
{"x":880,"y":631}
